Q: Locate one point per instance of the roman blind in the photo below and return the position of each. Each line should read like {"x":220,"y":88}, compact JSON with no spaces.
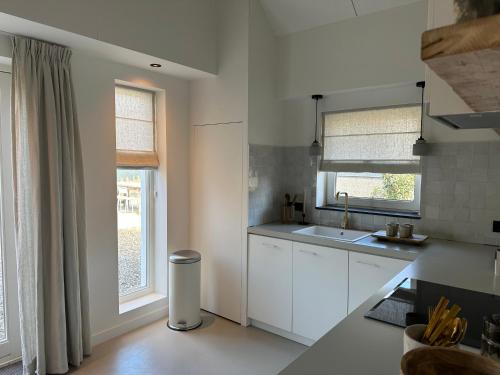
{"x":135,"y":128}
{"x":373,"y":140}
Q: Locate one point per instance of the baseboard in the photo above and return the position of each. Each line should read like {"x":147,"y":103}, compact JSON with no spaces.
{"x":10,"y":362}
{"x":280,"y":332}
{"x":130,"y":325}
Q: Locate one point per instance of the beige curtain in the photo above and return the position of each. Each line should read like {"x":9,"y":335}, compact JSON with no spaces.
{"x":50,"y":215}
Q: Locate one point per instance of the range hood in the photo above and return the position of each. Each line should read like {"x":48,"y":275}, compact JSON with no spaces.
{"x":474,"y":120}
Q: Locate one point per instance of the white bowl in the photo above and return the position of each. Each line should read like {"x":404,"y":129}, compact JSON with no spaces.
{"x":412,"y":336}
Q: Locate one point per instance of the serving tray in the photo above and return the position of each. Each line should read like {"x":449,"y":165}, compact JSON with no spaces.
{"x":415,"y":239}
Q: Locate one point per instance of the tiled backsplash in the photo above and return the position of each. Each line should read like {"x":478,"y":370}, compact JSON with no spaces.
{"x":460,"y":195}
{"x":265,"y":184}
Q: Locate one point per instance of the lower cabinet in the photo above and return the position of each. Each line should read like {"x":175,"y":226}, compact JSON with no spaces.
{"x":320,"y":285}
{"x":270,"y":281}
{"x":368,"y":273}
{"x":305,"y":290}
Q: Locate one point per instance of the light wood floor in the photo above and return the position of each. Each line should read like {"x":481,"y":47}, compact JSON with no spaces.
{"x":218,"y":347}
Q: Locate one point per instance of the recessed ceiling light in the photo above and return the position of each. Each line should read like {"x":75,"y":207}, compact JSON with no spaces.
{"x":154,"y":65}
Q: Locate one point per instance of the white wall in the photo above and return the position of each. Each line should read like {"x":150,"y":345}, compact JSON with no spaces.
{"x":94,"y":87}
{"x":378,"y":49}
{"x":225,"y":98}
{"x":94,"y":81}
{"x":365,"y":62}
{"x":181,"y":31}
{"x":264,"y":109}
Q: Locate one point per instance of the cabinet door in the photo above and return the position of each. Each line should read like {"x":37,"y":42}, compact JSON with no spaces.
{"x":216,"y":212}
{"x":270,"y":281}
{"x":368,"y":273}
{"x":320,"y":285}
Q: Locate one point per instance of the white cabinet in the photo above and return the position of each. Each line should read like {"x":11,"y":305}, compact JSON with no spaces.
{"x":305,"y":290}
{"x":320,"y":285}
{"x":270,"y":281}
{"x":368,"y":273}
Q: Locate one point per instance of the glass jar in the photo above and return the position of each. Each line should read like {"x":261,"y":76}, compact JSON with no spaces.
{"x":490,"y":338}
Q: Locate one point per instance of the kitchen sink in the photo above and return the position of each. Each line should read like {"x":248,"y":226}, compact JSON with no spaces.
{"x":346,"y":235}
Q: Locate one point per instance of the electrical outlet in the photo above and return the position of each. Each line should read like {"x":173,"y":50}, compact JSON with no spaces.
{"x":496,"y":226}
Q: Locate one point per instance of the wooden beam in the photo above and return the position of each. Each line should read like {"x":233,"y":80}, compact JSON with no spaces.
{"x":467,"y":56}
{"x":459,"y":38}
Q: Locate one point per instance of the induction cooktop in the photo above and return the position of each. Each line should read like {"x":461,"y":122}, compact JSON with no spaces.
{"x":408,"y":304}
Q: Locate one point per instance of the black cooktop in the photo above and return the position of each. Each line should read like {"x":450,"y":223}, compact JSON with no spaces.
{"x":408,"y":303}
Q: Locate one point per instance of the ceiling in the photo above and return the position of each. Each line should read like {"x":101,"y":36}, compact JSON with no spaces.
{"x":289,"y":16}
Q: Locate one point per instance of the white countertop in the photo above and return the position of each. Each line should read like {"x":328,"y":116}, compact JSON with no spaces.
{"x":368,"y":244}
{"x":363,"y":346}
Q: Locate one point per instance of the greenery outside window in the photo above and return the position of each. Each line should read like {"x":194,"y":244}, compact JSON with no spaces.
{"x":375,"y":190}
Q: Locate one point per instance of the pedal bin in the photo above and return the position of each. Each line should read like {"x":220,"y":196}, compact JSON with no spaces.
{"x":184,"y":269}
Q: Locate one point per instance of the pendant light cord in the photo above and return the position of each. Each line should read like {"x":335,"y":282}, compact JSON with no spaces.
{"x":316,"y":128}
{"x":422,"y":114}
{"x":421,"y":84}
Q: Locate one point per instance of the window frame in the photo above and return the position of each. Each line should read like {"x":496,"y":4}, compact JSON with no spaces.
{"x":148,"y":197}
{"x":147,"y":237}
{"x":371,"y":203}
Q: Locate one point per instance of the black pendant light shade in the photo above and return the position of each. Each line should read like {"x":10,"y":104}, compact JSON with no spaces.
{"x":316,"y":149}
{"x":421,"y":147}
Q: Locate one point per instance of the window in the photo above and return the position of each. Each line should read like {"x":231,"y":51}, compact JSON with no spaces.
{"x":376,"y":190}
{"x":368,"y":154}
{"x":136,"y":161}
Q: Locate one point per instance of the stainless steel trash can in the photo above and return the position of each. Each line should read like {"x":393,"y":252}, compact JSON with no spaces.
{"x":184,"y":269}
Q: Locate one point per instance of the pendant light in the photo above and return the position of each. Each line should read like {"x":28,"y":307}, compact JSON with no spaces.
{"x":315,"y":150}
{"x":421,"y":147}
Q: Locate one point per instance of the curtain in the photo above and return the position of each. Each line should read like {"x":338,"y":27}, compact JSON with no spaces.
{"x":49,"y":208}
{"x":376,"y":140}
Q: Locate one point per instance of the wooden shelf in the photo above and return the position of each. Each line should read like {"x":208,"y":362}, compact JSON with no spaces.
{"x":467,"y":56}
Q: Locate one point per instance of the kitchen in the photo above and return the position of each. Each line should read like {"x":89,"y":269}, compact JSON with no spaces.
{"x":328,"y":171}
{"x":295,"y":275}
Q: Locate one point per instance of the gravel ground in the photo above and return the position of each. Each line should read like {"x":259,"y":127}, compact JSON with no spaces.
{"x":129,"y":255}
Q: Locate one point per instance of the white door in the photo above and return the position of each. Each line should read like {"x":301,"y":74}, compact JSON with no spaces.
{"x":320,"y":284}
{"x":9,"y":310}
{"x":216,"y":215}
{"x":368,"y":273}
{"x":270,"y":281}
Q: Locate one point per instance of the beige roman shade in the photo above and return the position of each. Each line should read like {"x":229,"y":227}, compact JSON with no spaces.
{"x":373,"y":140}
{"x":135,"y":128}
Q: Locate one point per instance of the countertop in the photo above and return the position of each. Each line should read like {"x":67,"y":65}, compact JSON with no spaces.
{"x":362,"y":346}
{"x":369,"y":245}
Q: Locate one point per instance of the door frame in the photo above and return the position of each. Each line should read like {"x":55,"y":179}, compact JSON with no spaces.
{"x":10,"y":350}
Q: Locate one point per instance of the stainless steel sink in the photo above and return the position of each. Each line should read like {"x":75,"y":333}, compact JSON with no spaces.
{"x":347,"y":235}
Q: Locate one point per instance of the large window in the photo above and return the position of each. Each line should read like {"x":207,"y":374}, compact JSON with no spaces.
{"x":136,"y":161}
{"x":368,"y":154}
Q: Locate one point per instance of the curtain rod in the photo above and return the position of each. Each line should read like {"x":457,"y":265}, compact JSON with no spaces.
{"x":30,"y":37}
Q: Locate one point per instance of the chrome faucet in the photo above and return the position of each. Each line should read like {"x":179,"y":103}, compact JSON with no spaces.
{"x":345,"y":220}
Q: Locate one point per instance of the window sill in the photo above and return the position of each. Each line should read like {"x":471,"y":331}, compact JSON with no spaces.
{"x":374,"y":211}
{"x":140,"y":302}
